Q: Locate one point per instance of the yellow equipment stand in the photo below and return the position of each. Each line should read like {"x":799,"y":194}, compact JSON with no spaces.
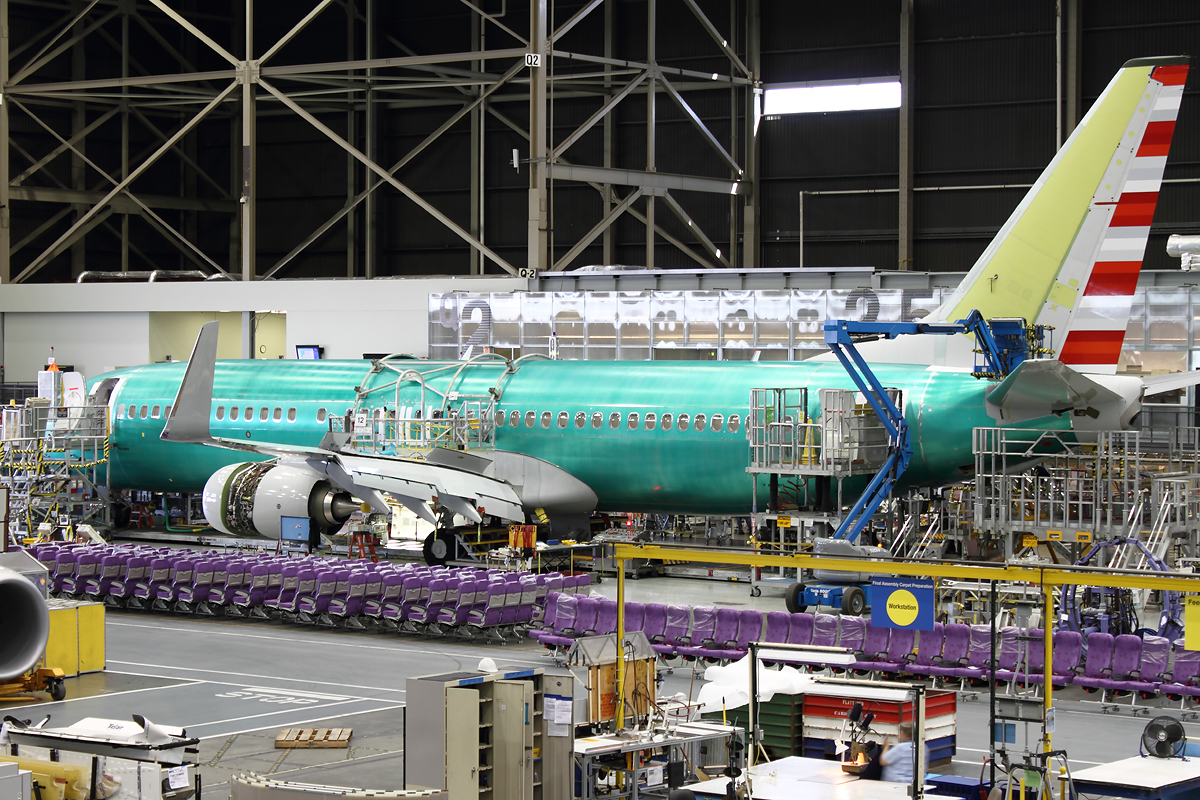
{"x":76,"y":645}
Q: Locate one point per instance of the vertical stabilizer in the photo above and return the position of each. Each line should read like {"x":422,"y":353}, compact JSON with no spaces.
{"x":1070,"y":254}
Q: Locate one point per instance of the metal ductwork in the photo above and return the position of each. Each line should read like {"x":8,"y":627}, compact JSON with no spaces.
{"x":24,"y":625}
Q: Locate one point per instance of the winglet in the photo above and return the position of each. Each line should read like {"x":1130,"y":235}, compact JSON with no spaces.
{"x":188,"y":420}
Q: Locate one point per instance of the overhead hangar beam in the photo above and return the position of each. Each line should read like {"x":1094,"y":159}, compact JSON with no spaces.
{"x":121,"y":204}
{"x":647,"y":180}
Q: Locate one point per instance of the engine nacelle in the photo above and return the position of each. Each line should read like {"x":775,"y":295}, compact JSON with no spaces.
{"x":251,"y":498}
{"x":24,"y":625}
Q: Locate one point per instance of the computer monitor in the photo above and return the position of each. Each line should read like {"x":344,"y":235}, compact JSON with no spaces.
{"x":294,"y":529}
{"x":309,"y":352}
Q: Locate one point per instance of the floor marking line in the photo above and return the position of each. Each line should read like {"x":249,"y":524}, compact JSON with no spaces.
{"x":247,"y":675}
{"x":221,"y":753}
{"x":274,"y":713}
{"x":305,"y":641}
{"x":279,"y":761}
{"x":308,"y":722}
{"x":340,"y":761}
{"x":181,"y":682}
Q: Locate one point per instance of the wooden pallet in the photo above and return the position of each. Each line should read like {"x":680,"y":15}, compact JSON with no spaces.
{"x":313,"y":737}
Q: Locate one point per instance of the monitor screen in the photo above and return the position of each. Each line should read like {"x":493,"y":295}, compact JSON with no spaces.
{"x":308,"y":352}
{"x":294,"y":529}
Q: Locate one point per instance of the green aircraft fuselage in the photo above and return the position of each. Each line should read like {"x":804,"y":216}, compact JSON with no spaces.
{"x":637,"y":470}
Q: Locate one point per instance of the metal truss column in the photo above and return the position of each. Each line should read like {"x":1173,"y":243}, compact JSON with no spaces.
{"x":539,"y":163}
{"x":1074,"y":99}
{"x":371,"y":122}
{"x":5,"y":189}
{"x":651,"y":120}
{"x":750,"y":216}
{"x":249,"y":153}
{"x":476,"y":174}
{"x":78,"y":123}
{"x":352,"y":226}
{"x":904,"y":253}
{"x":610,"y":130}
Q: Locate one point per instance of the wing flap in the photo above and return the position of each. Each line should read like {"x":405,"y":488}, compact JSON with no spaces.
{"x":1045,"y":387}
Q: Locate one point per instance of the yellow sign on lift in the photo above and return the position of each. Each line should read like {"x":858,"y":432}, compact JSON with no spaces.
{"x":1191,"y":623}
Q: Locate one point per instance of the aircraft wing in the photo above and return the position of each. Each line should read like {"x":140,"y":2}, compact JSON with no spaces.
{"x":1044,"y":387}
{"x":1158,"y":384}
{"x":443,"y":479}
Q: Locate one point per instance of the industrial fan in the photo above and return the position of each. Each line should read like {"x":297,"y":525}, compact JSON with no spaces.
{"x":1163,"y":738}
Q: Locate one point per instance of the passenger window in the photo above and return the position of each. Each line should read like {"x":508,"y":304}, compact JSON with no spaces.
{"x":233,"y":412}
{"x":666,"y":422}
{"x":514,"y":419}
{"x":699,"y":422}
{"x":277,"y":414}
{"x":614,"y":420}
{"x":530,"y":417}
{"x":563,"y":419}
{"x":167,"y":412}
{"x":499,"y":419}
{"x":321,"y":414}
{"x":633,"y":420}
{"x":580,"y":419}
{"x":683,"y":422}
{"x":145,"y":412}
{"x":546,"y":419}
{"x":249,"y":413}
{"x":291,"y":415}
{"x":262,"y":414}
{"x":597,"y":420}
{"x":220,"y":413}
{"x":734,"y":423}
{"x":651,"y":419}
{"x":717,"y":422}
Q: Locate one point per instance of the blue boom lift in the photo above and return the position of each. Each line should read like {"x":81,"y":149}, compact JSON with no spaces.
{"x":1003,"y":344}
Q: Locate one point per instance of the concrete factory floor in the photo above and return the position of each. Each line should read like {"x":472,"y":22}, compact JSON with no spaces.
{"x":236,"y":683}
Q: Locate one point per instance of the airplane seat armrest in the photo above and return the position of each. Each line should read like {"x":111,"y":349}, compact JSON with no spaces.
{"x":1166,"y":677}
{"x":1106,"y":672}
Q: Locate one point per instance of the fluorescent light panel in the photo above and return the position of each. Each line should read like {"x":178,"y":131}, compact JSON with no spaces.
{"x":831,"y":97}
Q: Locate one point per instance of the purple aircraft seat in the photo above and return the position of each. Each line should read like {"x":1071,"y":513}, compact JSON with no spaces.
{"x":274,"y":580}
{"x":235,"y":576}
{"x":704,"y":623}
{"x":529,"y":600}
{"x":112,"y":568}
{"x":1067,"y":648}
{"x":542,"y":582}
{"x":1098,"y":665}
{"x":327,"y":584}
{"x":900,"y":651}
{"x":1184,"y":678}
{"x":582,"y":583}
{"x":675,"y":630}
{"x":410,"y":595}
{"x":136,"y":570}
{"x":566,"y":607}
{"x":825,"y":630}
{"x":606,"y":617}
{"x":1152,"y":671}
{"x":553,"y":583}
{"x":929,"y":650}
{"x":750,"y":629}
{"x":543,"y":623}
{"x":493,"y":610}
{"x":874,"y":646}
{"x":288,"y":581}
{"x":87,"y":566}
{"x":853,"y":631}
{"x":635,"y":616}
{"x":586,"y":615}
{"x":390,"y":589}
{"x":512,"y":601}
{"x":306,"y":587}
{"x":1127,"y":658}
{"x":425,"y":612}
{"x":64,"y":568}
{"x":573,"y":612}
{"x":198,"y":589}
{"x":955,"y":646}
{"x":145,"y":591}
{"x":1032,"y":663}
{"x":654,"y":624}
{"x":458,"y":614}
{"x":48,"y":555}
{"x":253,"y":592}
{"x":979,"y":655}
{"x":778,"y":623}
{"x":801,"y":628}
{"x":342,"y":608}
{"x":181,"y":576}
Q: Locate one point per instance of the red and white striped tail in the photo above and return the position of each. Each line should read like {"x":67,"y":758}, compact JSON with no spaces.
{"x":1095,"y":328}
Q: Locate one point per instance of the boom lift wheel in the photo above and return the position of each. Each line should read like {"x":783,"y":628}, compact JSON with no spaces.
{"x":854,"y":601}
{"x":439,"y":547}
{"x":794,"y":599}
{"x":55,"y":687}
{"x":755,"y":591}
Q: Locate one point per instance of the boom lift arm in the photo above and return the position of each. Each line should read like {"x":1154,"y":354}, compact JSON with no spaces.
{"x":1003,"y":344}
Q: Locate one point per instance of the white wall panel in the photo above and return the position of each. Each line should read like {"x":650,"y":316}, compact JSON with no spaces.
{"x":93,"y":342}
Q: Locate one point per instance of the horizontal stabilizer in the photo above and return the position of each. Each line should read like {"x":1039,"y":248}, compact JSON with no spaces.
{"x":1043,"y":388}
{"x":1160,"y":384}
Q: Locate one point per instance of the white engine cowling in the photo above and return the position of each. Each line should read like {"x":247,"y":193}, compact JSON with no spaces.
{"x":251,"y":498}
